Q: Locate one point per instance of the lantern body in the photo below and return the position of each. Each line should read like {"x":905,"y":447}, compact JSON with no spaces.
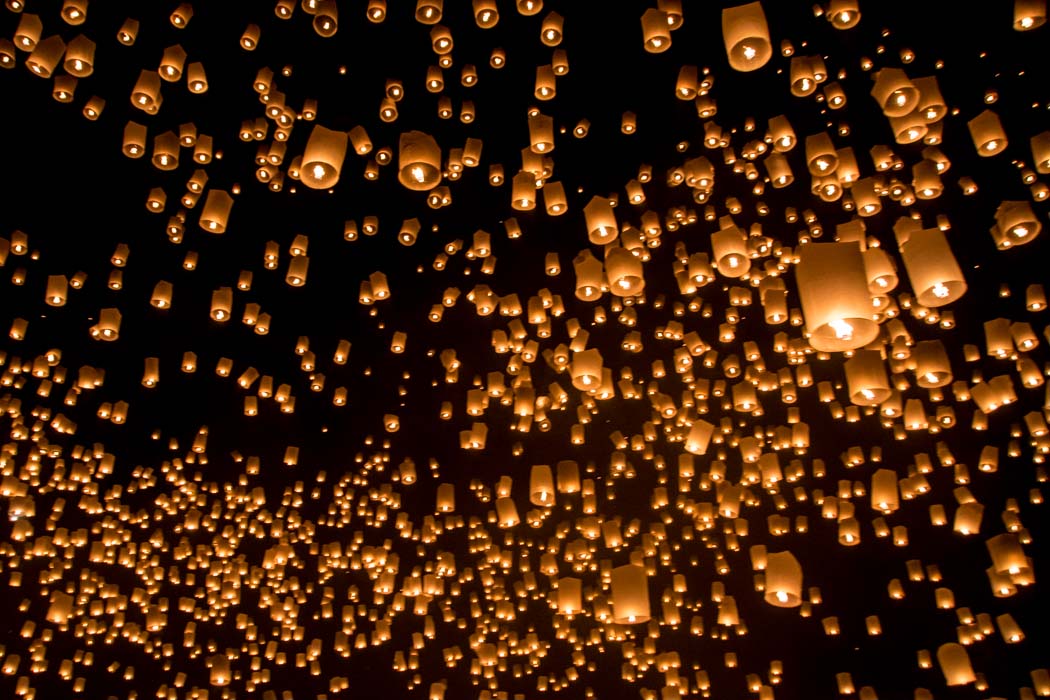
{"x":630,"y":595}
{"x":783,"y":580}
{"x":836,"y":303}
{"x":746,"y":36}
{"x":935,"y":275}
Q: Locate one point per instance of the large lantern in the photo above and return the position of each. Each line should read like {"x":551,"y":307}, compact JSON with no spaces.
{"x":746,"y":36}
{"x":419,"y":161}
{"x":836,"y":303}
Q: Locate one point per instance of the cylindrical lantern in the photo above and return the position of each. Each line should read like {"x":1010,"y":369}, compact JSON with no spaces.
{"x":988,"y":134}
{"x":586,"y":369}
{"x":323,"y":158}
{"x":894,"y":92}
{"x":216,"y":213}
{"x":729,"y":248}
{"x":935,"y":275}
{"x":955,"y":664}
{"x":836,"y":303}
{"x":746,"y":36}
{"x":866,"y":377}
{"x":590,"y":276}
{"x":1029,"y":14}
{"x":630,"y":594}
{"x":624,"y":271}
{"x":783,"y":580}
{"x":419,"y":161}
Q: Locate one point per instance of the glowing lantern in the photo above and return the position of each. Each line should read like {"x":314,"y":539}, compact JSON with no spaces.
{"x":955,"y":664}
{"x":590,"y":275}
{"x":586,"y":369}
{"x":746,"y":36}
{"x":45,"y":56}
{"x":935,"y":275}
{"x":783,"y":580}
{"x":987,"y":133}
{"x":419,"y":161}
{"x":630,"y":594}
{"x":323,"y":158}
{"x":1015,"y":224}
{"x":843,"y":14}
{"x":216,"y":213}
{"x":866,"y":377}
{"x":1029,"y":14}
{"x":895,"y":93}
{"x":834,"y":293}
{"x":656,"y":34}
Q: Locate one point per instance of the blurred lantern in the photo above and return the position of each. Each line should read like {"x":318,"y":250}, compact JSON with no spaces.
{"x":843,"y":14}
{"x":630,"y":594}
{"x":1029,"y":14}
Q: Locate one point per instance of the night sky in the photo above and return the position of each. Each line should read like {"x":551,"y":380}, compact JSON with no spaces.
{"x":227,"y":448}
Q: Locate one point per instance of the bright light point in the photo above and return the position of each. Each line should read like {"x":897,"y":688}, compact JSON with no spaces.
{"x":750,"y":52}
{"x":822,"y":165}
{"x":318,"y":172}
{"x":417,"y":173}
{"x":782,"y":597}
{"x":843,"y":330}
{"x":940,"y":291}
{"x":1027,"y":22}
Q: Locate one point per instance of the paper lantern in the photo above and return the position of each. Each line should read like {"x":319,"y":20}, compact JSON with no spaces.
{"x":57,"y":290}
{"x":843,"y":14}
{"x":934,"y":274}
{"x":590,"y":276}
{"x":586,"y":369}
{"x":323,"y":158}
{"x":866,"y":377}
{"x":624,"y":271}
{"x":1029,"y":14}
{"x":45,"y":56}
{"x":630,"y":594}
{"x":894,"y":92}
{"x":834,"y":293}
{"x":419,"y":161}
{"x":746,"y":36}
{"x":656,"y":34}
{"x":987,"y":133}
{"x":729,"y":248}
{"x":1015,"y":224}
{"x":955,"y":664}
{"x":216,"y":213}
{"x":783,"y":580}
